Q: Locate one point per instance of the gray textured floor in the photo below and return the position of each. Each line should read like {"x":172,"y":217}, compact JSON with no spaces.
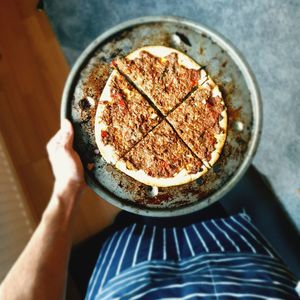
{"x":266,"y":32}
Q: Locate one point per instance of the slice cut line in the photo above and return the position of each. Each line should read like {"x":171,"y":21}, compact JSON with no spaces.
{"x":167,"y":123}
{"x":161,"y":159}
{"x":122,"y":119}
{"x":201,"y":122}
{"x":164,"y":74}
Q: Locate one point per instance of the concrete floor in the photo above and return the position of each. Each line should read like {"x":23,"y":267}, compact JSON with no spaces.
{"x":268,"y":35}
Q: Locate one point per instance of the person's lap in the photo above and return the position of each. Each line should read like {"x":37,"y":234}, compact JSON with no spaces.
{"x":137,"y":260}
{"x":84,"y":255}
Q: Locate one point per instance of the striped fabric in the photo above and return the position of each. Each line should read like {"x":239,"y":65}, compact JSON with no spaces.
{"x":216,"y":259}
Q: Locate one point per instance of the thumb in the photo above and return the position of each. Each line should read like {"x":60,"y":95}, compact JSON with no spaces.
{"x":66,"y":126}
{"x":68,"y":132}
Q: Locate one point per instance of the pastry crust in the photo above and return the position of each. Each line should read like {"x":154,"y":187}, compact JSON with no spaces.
{"x":180,"y":178}
{"x":162,"y":51}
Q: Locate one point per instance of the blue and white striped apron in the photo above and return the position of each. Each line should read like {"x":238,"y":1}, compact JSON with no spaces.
{"x":216,"y":259}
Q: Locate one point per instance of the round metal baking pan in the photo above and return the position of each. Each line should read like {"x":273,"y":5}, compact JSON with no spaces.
{"x":222,"y":62}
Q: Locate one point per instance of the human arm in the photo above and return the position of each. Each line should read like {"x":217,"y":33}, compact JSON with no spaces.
{"x":41,"y":269}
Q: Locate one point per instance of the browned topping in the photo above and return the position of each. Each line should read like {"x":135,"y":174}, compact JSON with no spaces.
{"x":162,"y":154}
{"x":163,"y":80}
{"x":138,"y":134}
{"x":129,"y":117}
{"x":197,"y":122}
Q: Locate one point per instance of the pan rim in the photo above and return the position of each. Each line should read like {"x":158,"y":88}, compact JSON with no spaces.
{"x":256,"y":103}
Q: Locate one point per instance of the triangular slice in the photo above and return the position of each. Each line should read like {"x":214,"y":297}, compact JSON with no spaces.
{"x":123,"y":118}
{"x":164,"y":74}
{"x":201,"y":122}
{"x":162,"y":159}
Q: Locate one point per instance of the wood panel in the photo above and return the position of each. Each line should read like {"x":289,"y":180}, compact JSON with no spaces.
{"x":16,"y":225}
{"x":32,"y":75}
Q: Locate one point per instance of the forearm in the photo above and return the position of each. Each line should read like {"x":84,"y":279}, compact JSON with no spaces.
{"x":40,"y":271}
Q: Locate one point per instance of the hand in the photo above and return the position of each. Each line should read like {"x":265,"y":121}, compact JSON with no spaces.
{"x":65,"y":162}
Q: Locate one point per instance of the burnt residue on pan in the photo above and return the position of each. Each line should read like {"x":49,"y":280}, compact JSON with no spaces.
{"x":219,"y":66}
